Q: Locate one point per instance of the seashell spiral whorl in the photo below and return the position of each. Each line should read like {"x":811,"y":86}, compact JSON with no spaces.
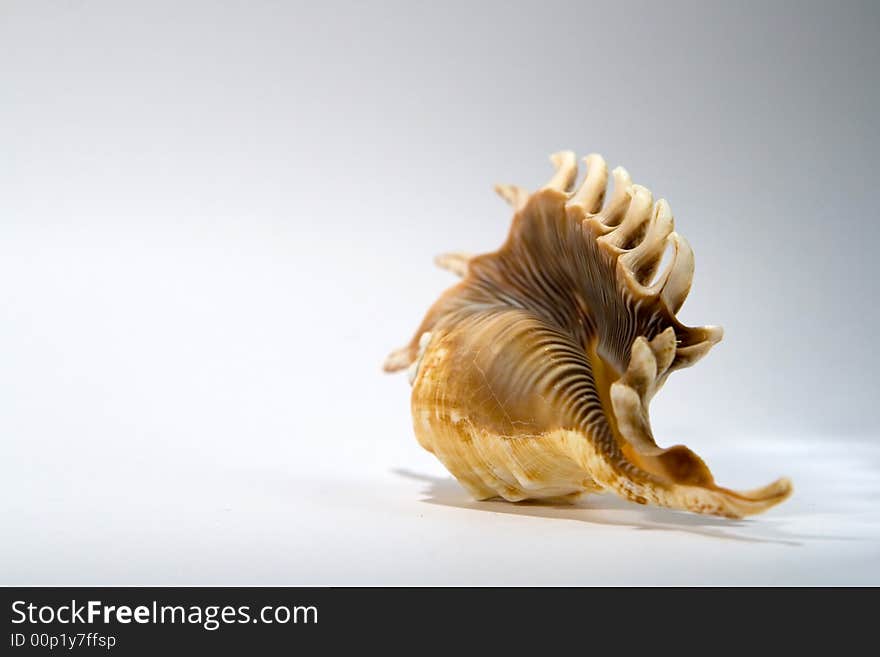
{"x":533,"y":375}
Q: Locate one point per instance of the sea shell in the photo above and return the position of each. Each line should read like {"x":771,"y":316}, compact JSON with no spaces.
{"x":532,"y":376}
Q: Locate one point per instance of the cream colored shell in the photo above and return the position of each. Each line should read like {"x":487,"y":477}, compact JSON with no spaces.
{"x":532,"y":377}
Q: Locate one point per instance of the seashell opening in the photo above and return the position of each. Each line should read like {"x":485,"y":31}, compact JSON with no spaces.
{"x":532,"y":376}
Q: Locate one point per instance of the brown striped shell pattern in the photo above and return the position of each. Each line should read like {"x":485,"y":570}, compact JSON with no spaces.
{"x":533,"y":375}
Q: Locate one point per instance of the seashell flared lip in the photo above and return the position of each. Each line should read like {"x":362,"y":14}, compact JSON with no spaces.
{"x":532,"y":376}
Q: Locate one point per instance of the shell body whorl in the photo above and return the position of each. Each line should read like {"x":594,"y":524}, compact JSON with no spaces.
{"x":532,"y":376}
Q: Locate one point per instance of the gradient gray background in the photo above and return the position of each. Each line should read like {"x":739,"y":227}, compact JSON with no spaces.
{"x":217,"y":218}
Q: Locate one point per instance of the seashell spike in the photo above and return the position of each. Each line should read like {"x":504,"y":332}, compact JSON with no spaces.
{"x":532,"y":376}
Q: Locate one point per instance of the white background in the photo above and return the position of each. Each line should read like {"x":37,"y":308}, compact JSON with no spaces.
{"x":217,"y":219}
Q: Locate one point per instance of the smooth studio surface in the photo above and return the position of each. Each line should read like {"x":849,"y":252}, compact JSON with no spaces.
{"x":216,"y":222}
{"x":251,"y":515}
